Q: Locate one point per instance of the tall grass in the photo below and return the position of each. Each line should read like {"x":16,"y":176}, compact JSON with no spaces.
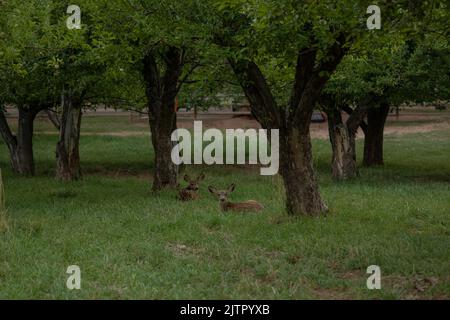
{"x":133,"y":244}
{"x":4,"y":225}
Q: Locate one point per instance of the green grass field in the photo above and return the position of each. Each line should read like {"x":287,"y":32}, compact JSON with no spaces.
{"x":130,"y":243}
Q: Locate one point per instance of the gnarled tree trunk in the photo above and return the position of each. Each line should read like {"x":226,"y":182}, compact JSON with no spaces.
{"x":10,"y":140}
{"x":373,"y":143}
{"x":296,"y":163}
{"x":343,"y":164}
{"x":67,"y":149}
{"x":20,"y":146}
{"x":343,"y":134}
{"x":302,"y":190}
{"x":161,"y":91}
{"x":293,"y":121}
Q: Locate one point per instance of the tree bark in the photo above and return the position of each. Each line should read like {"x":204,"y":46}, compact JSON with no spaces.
{"x":21,"y":146}
{"x":10,"y":140}
{"x":302,"y":190}
{"x":67,"y":149}
{"x":373,"y":143}
{"x":53,"y":117}
{"x":25,"y":159}
{"x":161,"y":92}
{"x":343,"y":164}
{"x":165,"y":172}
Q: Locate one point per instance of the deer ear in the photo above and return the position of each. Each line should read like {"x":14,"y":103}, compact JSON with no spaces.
{"x":212,"y":189}
{"x":201,"y":177}
{"x":186,"y":178}
{"x":231,"y":187}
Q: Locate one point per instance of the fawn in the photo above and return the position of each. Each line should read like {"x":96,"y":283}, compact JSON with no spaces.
{"x":191,"y":191}
{"x":225,"y":205}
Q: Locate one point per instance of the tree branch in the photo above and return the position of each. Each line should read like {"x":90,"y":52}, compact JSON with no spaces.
{"x":356,"y":117}
{"x":257,"y":91}
{"x":183,"y":80}
{"x":53,"y":117}
{"x":304,"y":69}
{"x":5,"y":130}
{"x":301,"y":115}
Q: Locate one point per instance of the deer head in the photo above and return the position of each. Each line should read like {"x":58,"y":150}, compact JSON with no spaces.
{"x":193,"y":183}
{"x":222,"y":194}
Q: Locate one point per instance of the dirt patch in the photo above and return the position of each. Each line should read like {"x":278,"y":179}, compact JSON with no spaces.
{"x":181,"y":250}
{"x":428,"y":127}
{"x":119,"y":173}
{"x":110,"y":134}
{"x":406,"y":123}
{"x":415,"y":287}
{"x":120,"y":134}
{"x":331,"y":294}
{"x":222,"y":122}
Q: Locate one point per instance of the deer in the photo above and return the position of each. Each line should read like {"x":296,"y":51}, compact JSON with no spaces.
{"x":226,"y":205}
{"x":191,"y":191}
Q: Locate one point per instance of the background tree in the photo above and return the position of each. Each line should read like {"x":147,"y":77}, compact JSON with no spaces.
{"x":163,"y":41}
{"x":26,"y":71}
{"x":48,"y":66}
{"x":381,"y":72}
{"x":419,"y":73}
{"x":367,"y":84}
{"x":85,"y":76}
{"x":356,"y":89}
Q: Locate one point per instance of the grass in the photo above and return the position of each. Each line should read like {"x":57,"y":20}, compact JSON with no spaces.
{"x":130,"y":243}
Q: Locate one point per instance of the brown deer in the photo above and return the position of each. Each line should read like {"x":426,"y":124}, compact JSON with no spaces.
{"x":226,"y":205}
{"x":191,"y":191}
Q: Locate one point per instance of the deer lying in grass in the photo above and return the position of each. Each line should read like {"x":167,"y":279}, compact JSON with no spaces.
{"x":226,"y":205}
{"x":191,"y":191}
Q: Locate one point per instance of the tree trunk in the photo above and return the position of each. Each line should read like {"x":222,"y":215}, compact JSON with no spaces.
{"x":24,"y":151}
{"x":20,"y":146}
{"x":165,"y":171}
{"x":373,"y":143}
{"x":302,"y":190}
{"x":67,"y":149}
{"x":10,"y":140}
{"x":161,"y":92}
{"x":343,"y":164}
